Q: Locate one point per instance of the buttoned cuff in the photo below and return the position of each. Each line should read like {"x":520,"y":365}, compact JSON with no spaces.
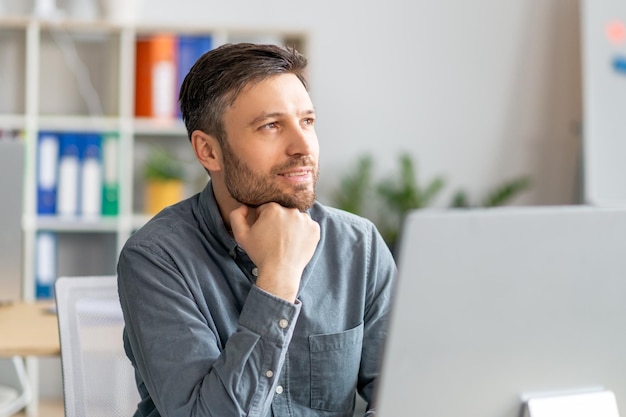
{"x":271,"y":317}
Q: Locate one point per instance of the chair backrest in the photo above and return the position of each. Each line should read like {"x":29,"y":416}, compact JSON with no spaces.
{"x":98,"y":378}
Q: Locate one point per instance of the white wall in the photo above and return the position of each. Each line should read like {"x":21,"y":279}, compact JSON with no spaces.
{"x":478,"y":91}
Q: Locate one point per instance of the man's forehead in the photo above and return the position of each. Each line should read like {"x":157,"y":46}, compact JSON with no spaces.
{"x":283,"y":93}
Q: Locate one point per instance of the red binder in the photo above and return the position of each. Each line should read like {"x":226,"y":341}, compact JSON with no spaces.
{"x":155,"y":76}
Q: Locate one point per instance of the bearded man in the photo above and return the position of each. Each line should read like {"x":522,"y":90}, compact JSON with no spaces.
{"x":251,"y":298}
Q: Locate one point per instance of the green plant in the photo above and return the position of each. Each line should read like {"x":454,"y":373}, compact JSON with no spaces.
{"x":355,"y":187}
{"x":390,"y":199}
{"x":161,"y":166}
{"x":498,"y":196}
{"x":402,"y":193}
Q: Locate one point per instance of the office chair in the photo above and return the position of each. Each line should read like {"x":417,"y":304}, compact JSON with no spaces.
{"x":15,"y":392}
{"x":98,"y":378}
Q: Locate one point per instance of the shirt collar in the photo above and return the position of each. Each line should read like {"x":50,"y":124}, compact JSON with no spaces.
{"x":210,"y":212}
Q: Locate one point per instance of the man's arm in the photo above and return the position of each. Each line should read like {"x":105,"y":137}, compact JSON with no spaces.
{"x":179,"y":354}
{"x":178,"y":351}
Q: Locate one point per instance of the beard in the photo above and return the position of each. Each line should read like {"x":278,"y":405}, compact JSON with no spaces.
{"x":254,"y":189}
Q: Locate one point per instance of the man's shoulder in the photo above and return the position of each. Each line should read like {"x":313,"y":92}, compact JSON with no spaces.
{"x":336,"y":218}
{"x":344,"y":231}
{"x":172,"y":223}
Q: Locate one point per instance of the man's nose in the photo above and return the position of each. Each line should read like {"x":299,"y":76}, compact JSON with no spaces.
{"x":302,"y":141}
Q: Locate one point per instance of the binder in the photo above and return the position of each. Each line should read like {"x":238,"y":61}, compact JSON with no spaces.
{"x":69,"y":167}
{"x":46,"y":267}
{"x":155,"y":76}
{"x":47,"y":172}
{"x":110,"y":180}
{"x":190,"y":49}
{"x":90,"y":175}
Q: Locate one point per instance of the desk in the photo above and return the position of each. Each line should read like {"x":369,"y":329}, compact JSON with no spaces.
{"x":28,"y":329}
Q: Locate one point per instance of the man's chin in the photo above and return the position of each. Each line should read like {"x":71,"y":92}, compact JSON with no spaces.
{"x":301,"y":205}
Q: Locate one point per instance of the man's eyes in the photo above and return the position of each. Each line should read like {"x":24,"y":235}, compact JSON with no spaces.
{"x":309,"y":121}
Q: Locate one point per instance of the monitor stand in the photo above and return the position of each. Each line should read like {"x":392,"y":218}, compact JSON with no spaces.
{"x":596,"y":403}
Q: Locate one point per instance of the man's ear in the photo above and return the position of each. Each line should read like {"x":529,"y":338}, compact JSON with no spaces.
{"x":207,"y":150}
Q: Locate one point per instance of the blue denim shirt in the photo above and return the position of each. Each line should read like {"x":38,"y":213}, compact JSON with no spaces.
{"x":206,"y":341}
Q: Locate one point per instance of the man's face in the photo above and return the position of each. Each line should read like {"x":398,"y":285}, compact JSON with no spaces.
{"x":271,"y":154}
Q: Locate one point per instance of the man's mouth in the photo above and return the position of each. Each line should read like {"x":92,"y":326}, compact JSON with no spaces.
{"x":295,"y":174}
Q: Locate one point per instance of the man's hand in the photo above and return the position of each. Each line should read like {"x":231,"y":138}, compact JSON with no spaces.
{"x":280,"y":241}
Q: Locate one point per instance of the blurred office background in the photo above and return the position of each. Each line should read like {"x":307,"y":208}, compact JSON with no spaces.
{"x":476,"y":92}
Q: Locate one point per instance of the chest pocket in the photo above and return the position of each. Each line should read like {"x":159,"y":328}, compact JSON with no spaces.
{"x":335,"y":360}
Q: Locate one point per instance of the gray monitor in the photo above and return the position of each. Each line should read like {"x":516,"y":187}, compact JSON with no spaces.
{"x":495,"y":305}
{"x":11,"y":193}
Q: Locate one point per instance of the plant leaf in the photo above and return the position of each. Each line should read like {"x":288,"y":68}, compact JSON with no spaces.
{"x":355,"y":186}
{"x":505,"y":192}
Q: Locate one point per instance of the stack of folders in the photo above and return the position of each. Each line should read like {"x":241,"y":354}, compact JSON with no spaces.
{"x":77,"y":174}
{"x":162,"y":62}
{"x":77,"y":179}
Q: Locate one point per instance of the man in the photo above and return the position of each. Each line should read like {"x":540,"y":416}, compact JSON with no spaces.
{"x":251,"y":298}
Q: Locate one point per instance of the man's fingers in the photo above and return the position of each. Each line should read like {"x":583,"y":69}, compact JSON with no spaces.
{"x":239,"y":221}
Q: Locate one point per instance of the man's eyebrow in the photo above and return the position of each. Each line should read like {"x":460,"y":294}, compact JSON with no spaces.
{"x":274,"y":115}
{"x":264,"y":116}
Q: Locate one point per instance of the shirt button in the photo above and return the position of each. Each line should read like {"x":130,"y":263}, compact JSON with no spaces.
{"x":283,"y":323}
{"x":269,"y":374}
{"x":279,"y":389}
{"x":255,"y":271}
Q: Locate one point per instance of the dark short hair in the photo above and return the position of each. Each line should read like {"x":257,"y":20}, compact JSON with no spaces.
{"x":218,"y":77}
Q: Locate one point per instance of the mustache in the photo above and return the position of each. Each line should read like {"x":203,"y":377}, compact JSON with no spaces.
{"x":295,"y":162}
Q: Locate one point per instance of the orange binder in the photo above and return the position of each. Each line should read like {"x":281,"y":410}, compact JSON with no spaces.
{"x":155,"y":76}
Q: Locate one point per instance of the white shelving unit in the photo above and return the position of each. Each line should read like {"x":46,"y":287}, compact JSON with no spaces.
{"x":44,"y":62}
{"x":42,"y":79}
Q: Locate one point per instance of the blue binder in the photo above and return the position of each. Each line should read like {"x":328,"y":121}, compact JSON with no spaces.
{"x":47,"y":172}
{"x":190,"y":48}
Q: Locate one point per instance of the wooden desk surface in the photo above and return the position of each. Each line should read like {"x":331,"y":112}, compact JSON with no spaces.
{"x":28,"y":329}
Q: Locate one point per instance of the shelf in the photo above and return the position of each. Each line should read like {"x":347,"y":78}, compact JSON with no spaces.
{"x":139,"y":220}
{"x":12,"y":122}
{"x":14,"y":22}
{"x":78,"y":224}
{"x":159,"y":127}
{"x":93,"y":26}
{"x":79,"y":123}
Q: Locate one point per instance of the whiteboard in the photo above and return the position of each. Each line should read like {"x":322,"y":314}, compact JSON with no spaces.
{"x":604,"y":100}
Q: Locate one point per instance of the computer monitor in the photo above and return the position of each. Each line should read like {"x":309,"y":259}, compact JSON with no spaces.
{"x":494,"y":305}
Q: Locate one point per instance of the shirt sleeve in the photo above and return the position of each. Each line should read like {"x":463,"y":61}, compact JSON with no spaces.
{"x":176,"y":348}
